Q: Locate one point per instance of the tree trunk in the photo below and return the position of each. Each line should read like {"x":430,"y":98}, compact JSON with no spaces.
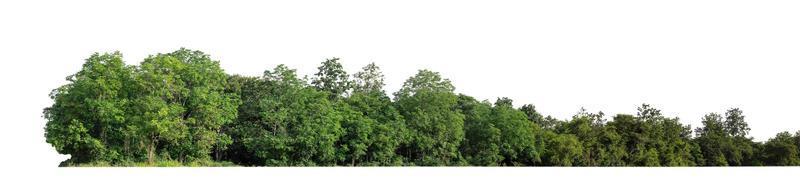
{"x":151,"y":149}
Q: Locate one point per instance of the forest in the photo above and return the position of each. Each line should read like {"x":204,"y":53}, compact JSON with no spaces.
{"x":182,"y":109}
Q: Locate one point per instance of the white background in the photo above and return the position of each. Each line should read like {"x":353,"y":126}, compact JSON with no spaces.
{"x":686,"y":57}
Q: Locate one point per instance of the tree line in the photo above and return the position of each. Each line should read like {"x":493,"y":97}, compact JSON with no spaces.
{"x":181,"y":108}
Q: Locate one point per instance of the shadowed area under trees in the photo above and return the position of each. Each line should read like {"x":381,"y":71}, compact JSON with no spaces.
{"x":182,"y":109}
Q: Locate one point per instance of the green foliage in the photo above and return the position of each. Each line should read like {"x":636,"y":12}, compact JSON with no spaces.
{"x":289,"y":123}
{"x":783,"y":149}
{"x":652,"y":139}
{"x":723,"y":141}
{"x":499,"y":135}
{"x":482,"y":139}
{"x":517,"y":139}
{"x":735,"y":124}
{"x":332,"y":78}
{"x":181,"y":109}
{"x":171,"y":106}
{"x":428,"y":104}
{"x":561,"y":150}
{"x":374,"y":130}
{"x":369,"y":79}
{"x":183,"y":105}
{"x":537,"y":118}
{"x":88,"y":118}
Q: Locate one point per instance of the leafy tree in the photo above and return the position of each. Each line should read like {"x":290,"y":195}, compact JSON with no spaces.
{"x":562,"y":149}
{"x":602,"y":145}
{"x":783,"y":150}
{"x":248,"y":123}
{"x":374,"y":129}
{"x":517,"y":139}
{"x":171,"y":106}
{"x":295,"y":125}
{"x":424,"y":81}
{"x":428,"y":104}
{"x":724,"y":142}
{"x":99,"y":135}
{"x":735,"y":124}
{"x":534,"y":116}
{"x":635,"y":140}
{"x":584,"y":126}
{"x":482,"y":139}
{"x":667,"y":136}
{"x":332,"y":78}
{"x":356,"y":138}
{"x":369,"y":79}
{"x":183,"y":105}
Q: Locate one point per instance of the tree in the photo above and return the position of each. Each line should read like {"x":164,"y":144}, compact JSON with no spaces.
{"x":171,"y":106}
{"x":724,"y":141}
{"x":183,"y":105}
{"x":374,"y":129}
{"x":332,"y":78}
{"x":583,"y":127}
{"x":295,"y":124}
{"x":735,"y":124}
{"x":782,"y":150}
{"x":428,"y":104}
{"x":100,"y":135}
{"x":517,"y":137}
{"x":534,"y":116}
{"x":248,"y":123}
{"x":482,"y":139}
{"x":357,"y":136}
{"x":561,"y":150}
{"x":666,"y":136}
{"x":424,"y":81}
{"x":369,"y":79}
{"x":602,"y":145}
{"x":648,"y":134}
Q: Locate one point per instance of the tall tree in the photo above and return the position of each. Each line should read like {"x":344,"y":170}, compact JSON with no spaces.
{"x":183,"y":105}
{"x":295,"y":125}
{"x":332,"y":78}
{"x":482,"y":139}
{"x":517,"y":134}
{"x":735,"y":124}
{"x":783,"y":150}
{"x":369,"y":79}
{"x":724,"y":141}
{"x":545,"y":122}
{"x":427,"y":81}
{"x":99,"y":135}
{"x":374,"y":129}
{"x":428,"y":104}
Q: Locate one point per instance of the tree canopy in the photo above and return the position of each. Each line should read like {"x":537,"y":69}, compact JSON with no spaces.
{"x":181,"y":108}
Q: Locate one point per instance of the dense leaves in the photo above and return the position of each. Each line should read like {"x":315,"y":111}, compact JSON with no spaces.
{"x":181,"y":108}
{"x":171,"y":107}
{"x":429,"y":107}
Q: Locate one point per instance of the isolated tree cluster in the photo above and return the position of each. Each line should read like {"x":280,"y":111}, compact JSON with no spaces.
{"x":181,"y":108}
